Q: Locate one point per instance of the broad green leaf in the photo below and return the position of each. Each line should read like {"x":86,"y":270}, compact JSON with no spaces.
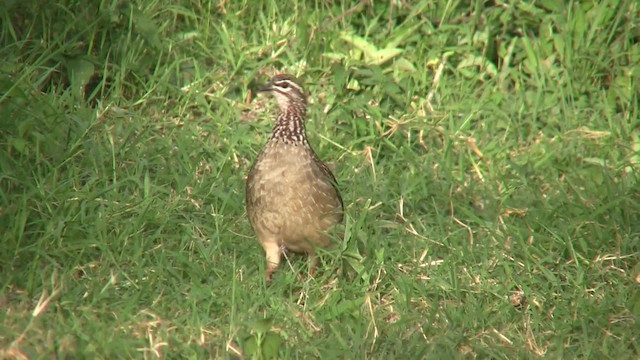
{"x":403,"y":35}
{"x":552,"y":5}
{"x":261,"y":326}
{"x":188,"y":35}
{"x":480,"y":62}
{"x":354,"y":264}
{"x":334,"y":56}
{"x":359,"y":43}
{"x":404,"y":65}
{"x":579,"y":26}
{"x":20,"y":145}
{"x":384,"y":55}
{"x":531,"y":62}
{"x":271,"y":345}
{"x":250,"y":346}
{"x":635,"y":147}
{"x":339,"y":308}
{"x":340,"y":76}
{"x":80,"y":72}
{"x":147,"y":184}
{"x":558,"y":42}
{"x":147,"y":28}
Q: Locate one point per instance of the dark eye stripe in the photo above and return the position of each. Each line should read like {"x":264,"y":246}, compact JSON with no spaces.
{"x":286,"y":84}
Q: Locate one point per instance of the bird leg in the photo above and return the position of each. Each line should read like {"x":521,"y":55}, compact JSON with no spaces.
{"x":272,"y":251}
{"x":313,"y":261}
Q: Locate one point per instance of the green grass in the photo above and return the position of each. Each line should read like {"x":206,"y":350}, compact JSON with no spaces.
{"x":490,"y":169}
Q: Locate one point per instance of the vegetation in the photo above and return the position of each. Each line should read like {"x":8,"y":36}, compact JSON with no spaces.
{"x":488,"y":153}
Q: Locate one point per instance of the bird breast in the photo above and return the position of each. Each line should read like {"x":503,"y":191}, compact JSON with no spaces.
{"x":287,"y":172}
{"x":288,"y":186}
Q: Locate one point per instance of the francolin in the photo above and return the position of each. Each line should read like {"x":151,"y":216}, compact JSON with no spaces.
{"x":292,"y":198}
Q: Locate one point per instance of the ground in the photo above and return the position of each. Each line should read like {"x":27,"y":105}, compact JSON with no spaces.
{"x":488,"y":154}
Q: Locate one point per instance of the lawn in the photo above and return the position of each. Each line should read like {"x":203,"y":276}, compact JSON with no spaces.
{"x":488,"y":154}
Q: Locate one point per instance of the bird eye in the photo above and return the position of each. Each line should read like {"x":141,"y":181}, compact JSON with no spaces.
{"x":284,"y":85}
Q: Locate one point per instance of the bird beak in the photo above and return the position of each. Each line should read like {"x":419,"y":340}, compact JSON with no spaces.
{"x":266,"y":87}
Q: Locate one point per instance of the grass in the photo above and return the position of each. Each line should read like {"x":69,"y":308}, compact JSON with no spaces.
{"x":488,"y":154}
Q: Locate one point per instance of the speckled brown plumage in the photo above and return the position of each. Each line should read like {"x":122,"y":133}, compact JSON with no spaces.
{"x":292,"y":198}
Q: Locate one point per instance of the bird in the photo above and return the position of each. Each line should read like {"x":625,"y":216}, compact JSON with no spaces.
{"x":292,"y":197}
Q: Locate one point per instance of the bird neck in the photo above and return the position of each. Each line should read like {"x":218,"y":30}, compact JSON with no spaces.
{"x":289,"y":127}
